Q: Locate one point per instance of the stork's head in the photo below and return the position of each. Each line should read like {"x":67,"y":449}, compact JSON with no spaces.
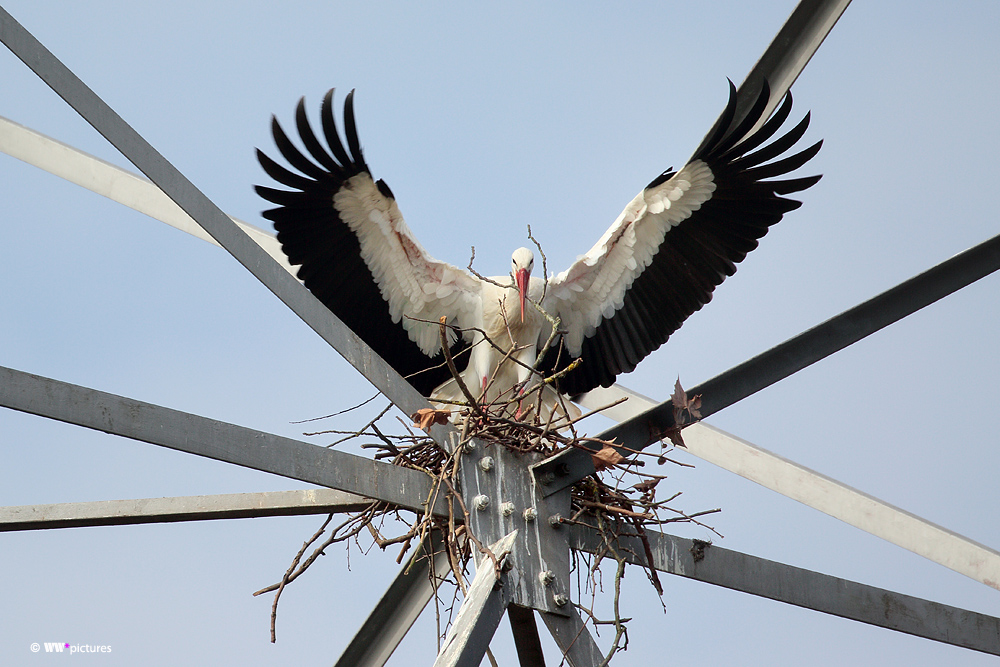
{"x":521,"y":263}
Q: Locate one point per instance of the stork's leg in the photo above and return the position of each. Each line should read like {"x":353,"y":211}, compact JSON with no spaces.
{"x":527,"y":359}
{"x":478,"y":372}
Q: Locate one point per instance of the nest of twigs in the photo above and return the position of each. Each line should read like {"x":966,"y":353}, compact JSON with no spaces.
{"x":619,"y":499}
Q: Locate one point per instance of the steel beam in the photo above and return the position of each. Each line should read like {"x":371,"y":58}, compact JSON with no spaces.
{"x":573,"y":638}
{"x":215,"y":440}
{"x":498,"y":489}
{"x":115,"y":183}
{"x":859,"y":509}
{"x":397,"y":610}
{"x":806,"y":486}
{"x":786,"y":57}
{"x":484,"y":606}
{"x":805,"y":588}
{"x":218,"y":225}
{"x":526,"y":640}
{"x":186,"y":508}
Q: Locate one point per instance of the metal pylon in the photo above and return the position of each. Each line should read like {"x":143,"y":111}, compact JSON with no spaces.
{"x":529,"y":547}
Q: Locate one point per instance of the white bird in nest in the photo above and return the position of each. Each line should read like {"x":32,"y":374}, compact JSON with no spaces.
{"x":657,"y":264}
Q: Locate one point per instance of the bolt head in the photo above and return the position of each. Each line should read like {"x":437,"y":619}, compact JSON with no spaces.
{"x":506,"y":509}
{"x":486,"y":463}
{"x":530,"y":514}
{"x":546,"y":577}
{"x":555,"y":520}
{"x":481,"y":502}
{"x":560,"y":599}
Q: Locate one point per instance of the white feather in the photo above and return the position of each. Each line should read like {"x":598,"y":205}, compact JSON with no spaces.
{"x":593,"y":287}
{"x":414,"y":284}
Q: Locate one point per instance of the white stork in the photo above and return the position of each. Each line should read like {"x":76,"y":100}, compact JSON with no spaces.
{"x":658,"y":263}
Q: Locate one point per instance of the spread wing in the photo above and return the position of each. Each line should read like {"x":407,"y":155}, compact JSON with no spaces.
{"x":357,"y":254}
{"x":673,"y":244}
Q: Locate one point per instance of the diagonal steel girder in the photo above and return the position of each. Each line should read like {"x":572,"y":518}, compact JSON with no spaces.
{"x":785,"y":57}
{"x":117,"y":184}
{"x":484,"y":606}
{"x":831,"y":497}
{"x":572,"y":638}
{"x":485,"y":603}
{"x":216,"y":440}
{"x":216,"y":223}
{"x":412,"y":589}
{"x":185,"y":508}
{"x":804,"y":588}
{"x":526,"y":640}
{"x":828,"y":337}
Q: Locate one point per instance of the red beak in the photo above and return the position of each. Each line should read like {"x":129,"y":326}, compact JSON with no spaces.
{"x":522,"y":276}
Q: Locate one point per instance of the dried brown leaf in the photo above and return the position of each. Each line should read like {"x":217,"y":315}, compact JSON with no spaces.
{"x":694,"y":407}
{"x":679,"y":398}
{"x":607,"y":457}
{"x":424,"y":418}
{"x":683,"y":404}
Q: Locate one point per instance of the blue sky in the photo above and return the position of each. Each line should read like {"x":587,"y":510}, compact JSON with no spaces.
{"x":484,"y":120}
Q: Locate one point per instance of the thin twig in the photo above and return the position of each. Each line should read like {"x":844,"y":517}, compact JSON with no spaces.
{"x":454,"y":371}
{"x":288,"y":572}
{"x":337,"y":414}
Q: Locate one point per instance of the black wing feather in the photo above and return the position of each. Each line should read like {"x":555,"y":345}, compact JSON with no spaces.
{"x":351,"y":130}
{"x":772,"y":125}
{"x":775,"y":148}
{"x":292,"y":154}
{"x":782,"y":167}
{"x":330,"y":129}
{"x":312,"y":235}
{"x":749,"y":120}
{"x":699,"y":253}
{"x":308,"y":137}
{"x":282,"y":175}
